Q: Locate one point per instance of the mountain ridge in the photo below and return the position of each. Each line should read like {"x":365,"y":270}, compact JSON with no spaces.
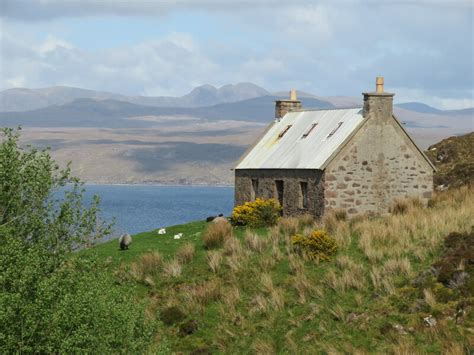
{"x":24,"y":99}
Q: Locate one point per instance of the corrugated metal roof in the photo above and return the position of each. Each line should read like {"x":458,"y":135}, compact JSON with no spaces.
{"x":292,"y":150}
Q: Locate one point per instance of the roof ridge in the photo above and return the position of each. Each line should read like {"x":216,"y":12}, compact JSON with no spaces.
{"x":303,"y":109}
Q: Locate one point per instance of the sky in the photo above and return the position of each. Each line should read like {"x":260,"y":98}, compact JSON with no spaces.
{"x":423,"y":48}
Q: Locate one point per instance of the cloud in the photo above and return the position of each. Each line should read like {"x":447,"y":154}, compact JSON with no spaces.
{"x":423,"y":48}
{"x":43,"y":10}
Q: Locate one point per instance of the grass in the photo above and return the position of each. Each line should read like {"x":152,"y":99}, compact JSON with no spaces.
{"x":252,"y":293}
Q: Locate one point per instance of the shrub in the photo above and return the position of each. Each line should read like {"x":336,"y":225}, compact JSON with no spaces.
{"x":317,"y":245}
{"x":216,"y":234}
{"x":260,"y":213}
{"x":53,"y":300}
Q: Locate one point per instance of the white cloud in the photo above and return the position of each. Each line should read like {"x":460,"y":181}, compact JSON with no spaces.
{"x":423,"y":48}
{"x":52,"y":44}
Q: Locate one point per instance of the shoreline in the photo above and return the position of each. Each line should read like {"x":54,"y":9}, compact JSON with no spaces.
{"x":154,"y":184}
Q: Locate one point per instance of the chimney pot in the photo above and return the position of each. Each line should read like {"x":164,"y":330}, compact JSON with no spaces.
{"x":378,"y":104}
{"x":283,"y":106}
{"x":293,"y":95}
{"x":379,"y":84}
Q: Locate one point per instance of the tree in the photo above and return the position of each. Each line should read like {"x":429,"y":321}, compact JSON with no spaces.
{"x":52,"y":299}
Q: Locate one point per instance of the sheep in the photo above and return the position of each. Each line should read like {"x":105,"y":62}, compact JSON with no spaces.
{"x":125,"y":240}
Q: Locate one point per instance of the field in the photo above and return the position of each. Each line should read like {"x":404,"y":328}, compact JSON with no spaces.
{"x":253,"y":293}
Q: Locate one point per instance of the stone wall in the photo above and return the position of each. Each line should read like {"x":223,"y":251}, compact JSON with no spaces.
{"x":282,"y":107}
{"x":291,"y":192}
{"x":379,"y":164}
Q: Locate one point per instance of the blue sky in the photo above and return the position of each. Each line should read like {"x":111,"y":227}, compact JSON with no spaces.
{"x":424,"y":49}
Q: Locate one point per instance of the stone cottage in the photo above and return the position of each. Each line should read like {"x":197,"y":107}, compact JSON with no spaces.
{"x":357,"y":159}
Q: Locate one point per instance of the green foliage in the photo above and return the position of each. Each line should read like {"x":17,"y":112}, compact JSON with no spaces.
{"x":259,"y":213}
{"x":317,"y":245}
{"x":51,"y":300}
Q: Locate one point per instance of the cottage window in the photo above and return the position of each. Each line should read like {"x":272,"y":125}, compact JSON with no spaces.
{"x":334,"y":130}
{"x":279,"y":191}
{"x":303,"y":194}
{"x":282,"y":133}
{"x":309,"y":130}
{"x":254,"y":192}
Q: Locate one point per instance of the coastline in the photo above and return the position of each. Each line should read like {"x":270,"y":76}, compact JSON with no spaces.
{"x":153,"y":184}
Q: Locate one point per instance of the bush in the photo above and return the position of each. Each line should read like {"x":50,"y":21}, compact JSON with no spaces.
{"x":216,"y":234}
{"x":260,"y":213}
{"x":75,"y":308}
{"x":53,"y":300}
{"x":317,"y":246}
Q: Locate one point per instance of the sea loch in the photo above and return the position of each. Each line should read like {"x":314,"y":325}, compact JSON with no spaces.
{"x":140,"y":208}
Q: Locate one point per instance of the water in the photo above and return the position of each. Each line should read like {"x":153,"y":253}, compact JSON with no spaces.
{"x":140,"y":208}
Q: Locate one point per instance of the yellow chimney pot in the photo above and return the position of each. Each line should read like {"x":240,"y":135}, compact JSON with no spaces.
{"x":379,"y":84}
{"x":293,"y":95}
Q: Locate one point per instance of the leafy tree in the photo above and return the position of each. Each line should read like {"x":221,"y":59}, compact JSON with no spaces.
{"x":52,"y":299}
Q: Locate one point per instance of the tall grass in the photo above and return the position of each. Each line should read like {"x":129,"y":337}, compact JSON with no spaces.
{"x":253,"y":287}
{"x":216,"y":234}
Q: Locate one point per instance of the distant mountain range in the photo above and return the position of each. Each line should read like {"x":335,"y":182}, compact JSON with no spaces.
{"x":423,"y":108}
{"x":21,"y":99}
{"x":110,"y":113}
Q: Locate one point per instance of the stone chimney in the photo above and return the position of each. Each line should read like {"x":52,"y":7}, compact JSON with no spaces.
{"x":282,"y":107}
{"x":378,"y":104}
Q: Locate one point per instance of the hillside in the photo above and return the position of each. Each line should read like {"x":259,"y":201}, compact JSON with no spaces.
{"x":397,"y":284}
{"x":454,"y":159}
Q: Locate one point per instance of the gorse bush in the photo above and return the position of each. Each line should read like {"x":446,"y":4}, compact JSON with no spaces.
{"x":316,"y":246}
{"x":51,"y":300}
{"x":259,"y":213}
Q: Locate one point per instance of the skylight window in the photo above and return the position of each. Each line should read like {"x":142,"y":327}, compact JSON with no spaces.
{"x":334,"y":130}
{"x":282,"y":133}
{"x":306,"y":134}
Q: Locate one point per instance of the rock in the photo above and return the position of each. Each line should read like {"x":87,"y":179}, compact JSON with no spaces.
{"x":400,"y":329}
{"x":430,"y":321}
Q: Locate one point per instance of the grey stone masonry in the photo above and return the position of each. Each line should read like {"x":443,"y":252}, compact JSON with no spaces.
{"x":266,"y":180}
{"x":282,"y":107}
{"x":379,"y":164}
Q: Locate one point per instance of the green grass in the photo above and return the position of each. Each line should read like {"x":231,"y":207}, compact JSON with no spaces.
{"x":347,"y":321}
